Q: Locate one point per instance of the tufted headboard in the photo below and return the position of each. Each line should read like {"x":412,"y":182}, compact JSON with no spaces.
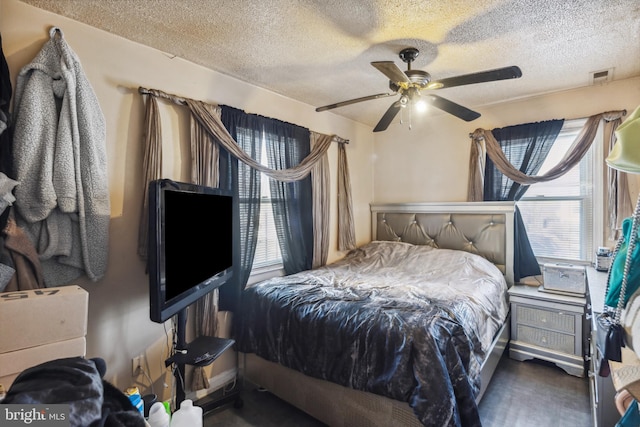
{"x":483,"y":228}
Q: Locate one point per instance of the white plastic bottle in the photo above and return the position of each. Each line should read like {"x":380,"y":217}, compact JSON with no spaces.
{"x":187,"y":416}
{"x":158,"y":415}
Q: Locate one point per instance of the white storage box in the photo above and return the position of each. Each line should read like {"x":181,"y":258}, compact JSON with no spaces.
{"x":564,"y":279}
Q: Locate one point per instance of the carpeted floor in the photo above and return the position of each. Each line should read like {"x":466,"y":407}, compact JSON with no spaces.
{"x":522,"y":394}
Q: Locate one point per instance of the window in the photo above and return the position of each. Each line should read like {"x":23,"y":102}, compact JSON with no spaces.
{"x":267,"y":248}
{"x":559,"y":215}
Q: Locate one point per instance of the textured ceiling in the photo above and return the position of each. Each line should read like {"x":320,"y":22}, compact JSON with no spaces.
{"x":319,"y":51}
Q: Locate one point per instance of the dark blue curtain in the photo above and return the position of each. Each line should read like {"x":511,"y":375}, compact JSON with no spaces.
{"x":244,"y":181}
{"x":287,"y":145}
{"x":526,"y":147}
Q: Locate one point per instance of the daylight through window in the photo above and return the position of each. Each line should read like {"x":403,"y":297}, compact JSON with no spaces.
{"x":559,"y":214}
{"x":267,"y":249}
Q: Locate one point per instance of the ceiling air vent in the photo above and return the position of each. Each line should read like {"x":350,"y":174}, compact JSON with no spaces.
{"x":602,"y":76}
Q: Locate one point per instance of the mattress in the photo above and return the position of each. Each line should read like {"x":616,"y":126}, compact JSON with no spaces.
{"x":412,"y":323}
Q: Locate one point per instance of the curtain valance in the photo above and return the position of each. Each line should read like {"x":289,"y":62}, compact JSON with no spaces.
{"x":484,"y":144}
{"x":208,"y":119}
{"x":574,"y":155}
{"x":201,"y":111}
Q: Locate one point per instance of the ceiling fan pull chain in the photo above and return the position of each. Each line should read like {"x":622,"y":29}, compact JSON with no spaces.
{"x":410,"y":114}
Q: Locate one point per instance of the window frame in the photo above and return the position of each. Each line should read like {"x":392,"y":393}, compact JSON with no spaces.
{"x":598,"y":203}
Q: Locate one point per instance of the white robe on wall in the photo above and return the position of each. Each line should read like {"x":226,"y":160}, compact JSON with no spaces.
{"x":59,"y":160}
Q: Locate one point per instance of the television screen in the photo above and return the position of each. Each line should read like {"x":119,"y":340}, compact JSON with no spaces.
{"x":191,"y":244}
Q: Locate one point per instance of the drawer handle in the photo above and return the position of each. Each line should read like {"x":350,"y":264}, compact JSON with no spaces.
{"x":543,"y":340}
{"x":543,"y":319}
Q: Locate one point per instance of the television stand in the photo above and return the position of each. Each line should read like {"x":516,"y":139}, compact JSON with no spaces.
{"x":202,"y":351}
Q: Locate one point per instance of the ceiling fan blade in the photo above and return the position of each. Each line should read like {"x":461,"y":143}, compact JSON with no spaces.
{"x":505,"y":73}
{"x":451,"y":107}
{"x":392,"y":71}
{"x":388,"y":117}
{"x":353,"y":101}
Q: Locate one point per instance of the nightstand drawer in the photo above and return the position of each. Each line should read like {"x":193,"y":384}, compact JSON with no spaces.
{"x":546,"y":319}
{"x":548,"y":339}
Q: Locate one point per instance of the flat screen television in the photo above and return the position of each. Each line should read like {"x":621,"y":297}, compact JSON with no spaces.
{"x":191,"y":244}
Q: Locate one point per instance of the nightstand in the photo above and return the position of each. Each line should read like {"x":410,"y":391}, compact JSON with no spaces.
{"x":549,"y":327}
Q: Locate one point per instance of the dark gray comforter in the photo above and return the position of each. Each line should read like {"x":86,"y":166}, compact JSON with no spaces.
{"x":407,"y":322}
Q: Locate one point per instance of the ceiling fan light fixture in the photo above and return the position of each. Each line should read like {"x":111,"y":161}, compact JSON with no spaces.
{"x":410,"y":83}
{"x":418,"y":77}
{"x":420,"y":106}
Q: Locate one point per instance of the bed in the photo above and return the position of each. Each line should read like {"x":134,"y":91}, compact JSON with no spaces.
{"x":406,"y":330}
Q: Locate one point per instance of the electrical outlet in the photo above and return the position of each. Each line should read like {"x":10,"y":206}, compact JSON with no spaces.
{"x":137,"y":365}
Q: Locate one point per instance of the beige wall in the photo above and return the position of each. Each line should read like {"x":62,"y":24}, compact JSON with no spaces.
{"x":119,"y":325}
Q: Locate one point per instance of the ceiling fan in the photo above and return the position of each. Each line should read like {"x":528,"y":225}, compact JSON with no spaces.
{"x":409,"y":85}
